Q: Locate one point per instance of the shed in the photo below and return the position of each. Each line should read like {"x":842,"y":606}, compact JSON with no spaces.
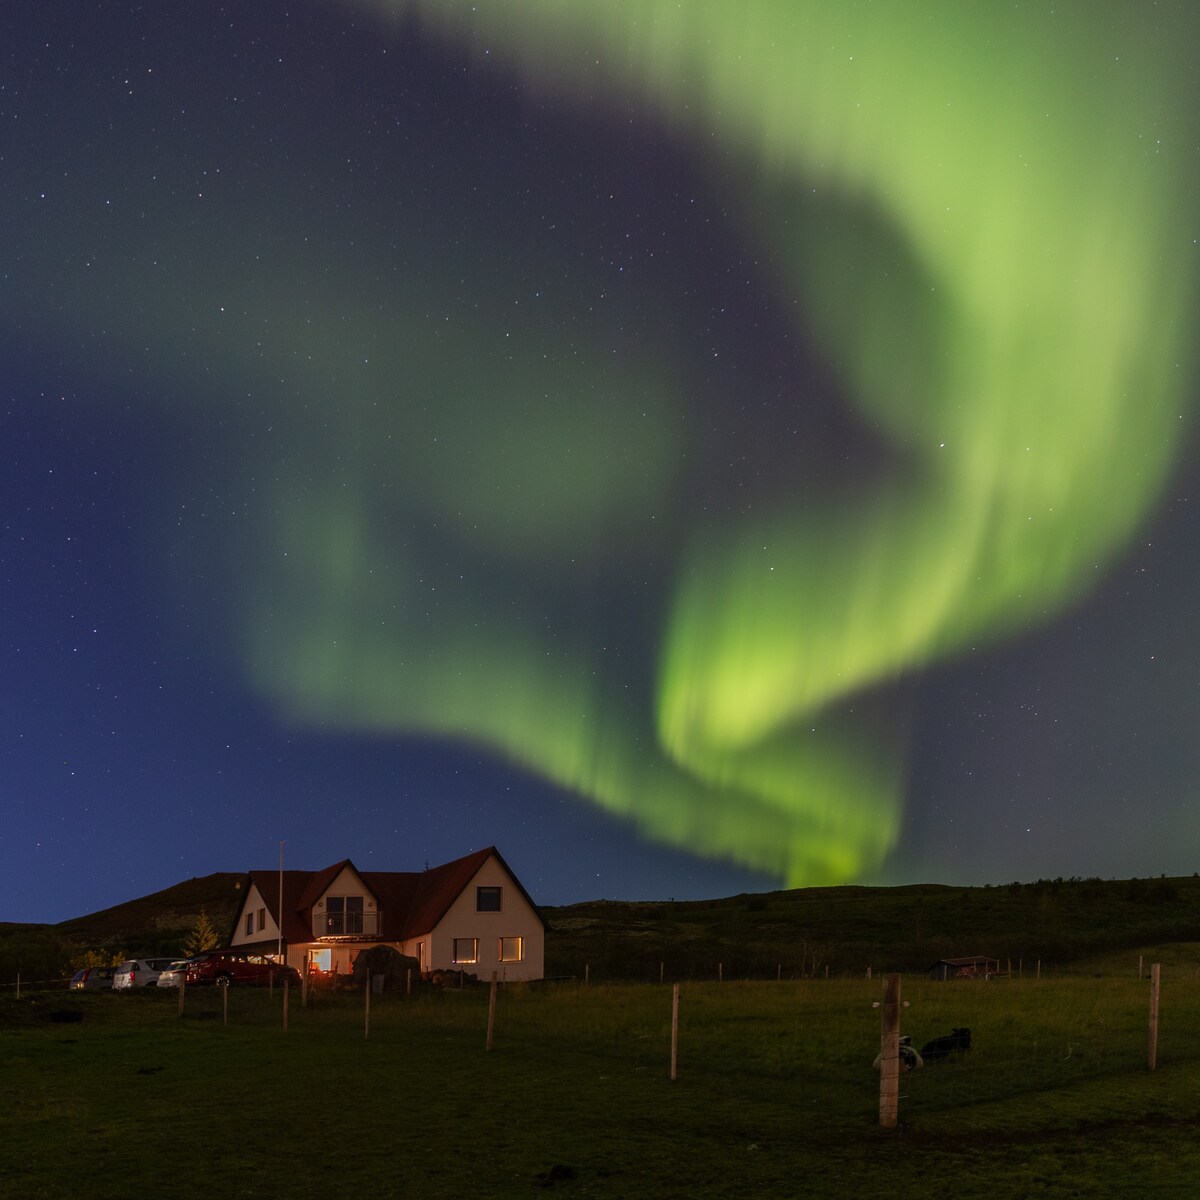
{"x":974,"y":966}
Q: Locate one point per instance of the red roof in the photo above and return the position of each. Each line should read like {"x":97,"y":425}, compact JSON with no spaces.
{"x":411,"y":902}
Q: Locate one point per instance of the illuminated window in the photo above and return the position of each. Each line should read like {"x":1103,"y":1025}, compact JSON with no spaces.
{"x":322,"y":960}
{"x":512,"y":949}
{"x":466,"y":950}
{"x":487,"y":899}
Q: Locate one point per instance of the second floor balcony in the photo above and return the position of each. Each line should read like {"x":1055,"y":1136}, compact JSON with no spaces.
{"x":347,"y":924}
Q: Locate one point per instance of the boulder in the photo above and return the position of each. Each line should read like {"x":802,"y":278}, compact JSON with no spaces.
{"x":388,"y":964}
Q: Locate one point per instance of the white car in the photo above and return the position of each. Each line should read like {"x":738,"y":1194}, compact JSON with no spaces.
{"x":173,"y":974}
{"x":140,"y":972}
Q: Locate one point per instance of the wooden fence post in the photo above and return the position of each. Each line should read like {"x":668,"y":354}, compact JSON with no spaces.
{"x":1155,"y":978}
{"x":661,"y":968}
{"x":408,"y":982}
{"x":587,"y":974}
{"x":889,"y":1051}
{"x":491,"y":1011}
{"x":367,"y":1008}
{"x":720,"y":972}
{"x":1139,"y":966}
{"x":224,"y":1001}
{"x":18,"y":985}
{"x":1039,"y":968}
{"x":674,"y":1029}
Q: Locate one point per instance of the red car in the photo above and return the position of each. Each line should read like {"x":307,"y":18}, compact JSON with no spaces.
{"x":237,"y":966}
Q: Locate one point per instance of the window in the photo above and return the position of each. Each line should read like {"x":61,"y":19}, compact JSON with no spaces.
{"x":466,"y":950}
{"x":249,"y":923}
{"x":262,"y":919}
{"x":512,"y":949}
{"x":343,"y":915}
{"x":487,"y":899}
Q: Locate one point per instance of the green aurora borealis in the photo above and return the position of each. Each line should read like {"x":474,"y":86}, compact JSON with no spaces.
{"x":1023,"y":348}
{"x":480,"y":521}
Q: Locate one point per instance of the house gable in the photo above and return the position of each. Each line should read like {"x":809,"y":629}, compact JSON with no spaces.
{"x":342,"y":905}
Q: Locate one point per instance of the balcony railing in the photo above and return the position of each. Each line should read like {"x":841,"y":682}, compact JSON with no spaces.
{"x":347,"y":924}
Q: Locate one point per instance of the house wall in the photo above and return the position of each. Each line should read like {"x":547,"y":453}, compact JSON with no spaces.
{"x":516,"y":918}
{"x":254,"y":903}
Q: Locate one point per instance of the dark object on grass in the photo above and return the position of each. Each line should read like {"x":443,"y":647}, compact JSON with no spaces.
{"x":388,"y":964}
{"x":556,"y":1173}
{"x":66,"y":1016}
{"x":943,"y":1047}
{"x":910,"y":1060}
{"x":148,"y":1070}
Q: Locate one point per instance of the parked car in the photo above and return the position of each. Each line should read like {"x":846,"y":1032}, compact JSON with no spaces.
{"x":175,"y":974}
{"x":140,"y":972}
{"x":93,"y":979}
{"x":238,"y":966}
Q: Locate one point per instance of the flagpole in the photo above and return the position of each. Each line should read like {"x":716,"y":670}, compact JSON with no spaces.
{"x":279,"y":922}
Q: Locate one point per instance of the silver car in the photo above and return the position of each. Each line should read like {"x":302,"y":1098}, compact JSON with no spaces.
{"x":92,"y":979}
{"x":140,"y":972}
{"x":174,"y":974}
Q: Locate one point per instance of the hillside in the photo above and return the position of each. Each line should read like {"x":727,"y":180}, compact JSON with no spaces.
{"x":799,"y":932}
{"x":158,"y":923}
{"x":847,"y":929}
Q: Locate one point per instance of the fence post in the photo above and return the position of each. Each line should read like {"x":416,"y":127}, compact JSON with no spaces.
{"x":1039,"y":968}
{"x":304,"y":983}
{"x":491,"y":1011}
{"x":1139,"y":966}
{"x":889,"y":1052}
{"x":18,"y":985}
{"x":661,"y":969}
{"x":408,"y":982}
{"x":1155,"y":978}
{"x":367,"y":1008}
{"x":720,"y":972}
{"x":674,"y":1030}
{"x":286,"y":988}
{"x":224,"y":1001}
{"x":587,"y":972}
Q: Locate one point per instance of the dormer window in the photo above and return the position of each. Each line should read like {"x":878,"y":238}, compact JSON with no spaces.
{"x":343,"y":915}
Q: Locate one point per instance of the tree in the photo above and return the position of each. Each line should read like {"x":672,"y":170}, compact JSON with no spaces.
{"x":203,"y":936}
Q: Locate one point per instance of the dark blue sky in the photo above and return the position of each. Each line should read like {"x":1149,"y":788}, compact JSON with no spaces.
{"x":165,"y":180}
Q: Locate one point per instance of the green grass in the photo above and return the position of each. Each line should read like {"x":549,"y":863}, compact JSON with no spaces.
{"x":775,"y":1096}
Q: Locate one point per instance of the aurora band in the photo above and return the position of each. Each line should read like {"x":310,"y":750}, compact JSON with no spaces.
{"x":979,"y":217}
{"x":1023,"y":338}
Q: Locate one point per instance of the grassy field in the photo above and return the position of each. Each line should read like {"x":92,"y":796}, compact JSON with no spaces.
{"x":775,"y":1095}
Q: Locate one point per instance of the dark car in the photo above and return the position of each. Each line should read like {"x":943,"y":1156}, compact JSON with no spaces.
{"x":237,"y":966}
{"x":93,"y":979}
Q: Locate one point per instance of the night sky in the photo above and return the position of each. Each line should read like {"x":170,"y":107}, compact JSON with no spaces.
{"x":696,"y":448}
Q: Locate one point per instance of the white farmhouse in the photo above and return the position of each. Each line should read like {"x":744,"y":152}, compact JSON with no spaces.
{"x":471,"y":914}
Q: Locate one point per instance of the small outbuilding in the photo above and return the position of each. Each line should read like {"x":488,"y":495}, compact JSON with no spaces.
{"x":975,"y":966}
